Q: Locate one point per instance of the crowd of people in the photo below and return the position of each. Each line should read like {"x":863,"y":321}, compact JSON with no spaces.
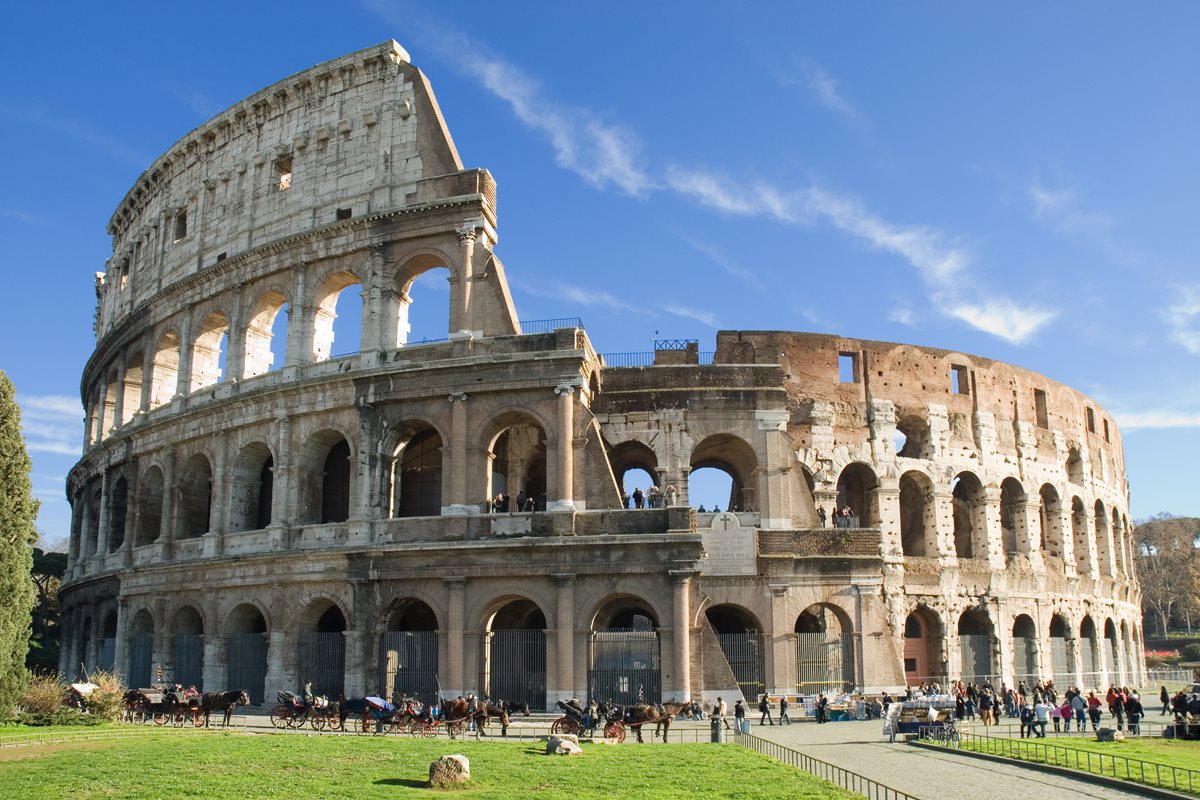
{"x":1041,"y":705}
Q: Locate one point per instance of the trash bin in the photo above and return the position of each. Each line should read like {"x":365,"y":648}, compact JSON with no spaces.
{"x":718,"y":731}
{"x":745,"y":726}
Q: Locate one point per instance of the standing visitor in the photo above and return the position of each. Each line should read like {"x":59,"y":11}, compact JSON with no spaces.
{"x":764,"y":706}
{"x":739,"y":717}
{"x":783,"y":715}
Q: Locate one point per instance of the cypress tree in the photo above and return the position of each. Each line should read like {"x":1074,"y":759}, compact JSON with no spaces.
{"x":18,"y":510}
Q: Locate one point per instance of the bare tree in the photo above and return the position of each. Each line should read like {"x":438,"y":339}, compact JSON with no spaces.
{"x":1167,"y":565}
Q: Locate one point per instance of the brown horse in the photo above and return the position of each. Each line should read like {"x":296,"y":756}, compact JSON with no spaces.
{"x":638,"y":715}
{"x":460,"y":709}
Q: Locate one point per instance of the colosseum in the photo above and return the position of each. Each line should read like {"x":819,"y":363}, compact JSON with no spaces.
{"x":257,"y":506}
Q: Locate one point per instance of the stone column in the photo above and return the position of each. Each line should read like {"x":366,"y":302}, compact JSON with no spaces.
{"x":457,"y":479}
{"x":121,"y":646}
{"x":216,"y":660}
{"x":105,"y":512}
{"x":681,"y":585}
{"x":298,"y":349}
{"x":462,"y":310}
{"x":357,"y":662}
{"x":235,"y":353}
{"x":565,"y":634}
{"x":183,"y":385}
{"x":993,"y":535}
{"x":282,"y":471}
{"x":277,"y":676}
{"x":943,"y":505}
{"x":147,"y":377}
{"x":219,"y":499}
{"x":781,"y":662}
{"x":564,"y":451}
{"x":455,"y":669}
{"x":168,"y":509}
{"x":119,"y":401}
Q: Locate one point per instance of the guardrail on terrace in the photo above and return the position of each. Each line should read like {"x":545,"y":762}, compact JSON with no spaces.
{"x":548,"y":325}
{"x":843,"y":778}
{"x":1134,"y":770}
{"x":647,"y":359}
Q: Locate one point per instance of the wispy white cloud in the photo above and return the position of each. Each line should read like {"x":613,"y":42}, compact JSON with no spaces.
{"x":727,"y":264}
{"x":79,"y":130}
{"x":903,"y":316}
{"x":698,"y":314}
{"x":1000,"y":317}
{"x":596,"y":298}
{"x":22,"y":216}
{"x":51,"y":423}
{"x":1135,"y":420}
{"x":1183,"y":319}
{"x":815,"y":81}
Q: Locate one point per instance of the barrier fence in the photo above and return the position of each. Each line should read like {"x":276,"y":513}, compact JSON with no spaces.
{"x":842,"y":778}
{"x":1136,"y":770}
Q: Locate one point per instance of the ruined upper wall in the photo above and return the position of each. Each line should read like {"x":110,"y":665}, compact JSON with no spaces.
{"x":348,"y":137}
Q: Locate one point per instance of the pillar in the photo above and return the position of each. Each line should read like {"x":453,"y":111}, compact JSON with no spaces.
{"x":357,"y":663}
{"x":105,"y":512}
{"x":168,"y":509}
{"x":119,"y":401}
{"x":281,"y":475}
{"x":455,"y":672}
{"x":298,"y":349}
{"x":681,"y":585}
{"x":277,"y":676}
{"x":564,"y":451}
{"x":565,"y":635}
{"x":462,"y":309}
{"x":121,"y":648}
{"x":147,"y":377}
{"x":183,"y":383}
{"x":216,"y":659}
{"x":458,"y":457}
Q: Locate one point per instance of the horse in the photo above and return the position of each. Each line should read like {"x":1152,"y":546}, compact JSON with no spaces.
{"x":513,"y":708}
{"x":135,"y":704}
{"x":460,"y":709}
{"x":223,"y":701}
{"x":638,"y":715}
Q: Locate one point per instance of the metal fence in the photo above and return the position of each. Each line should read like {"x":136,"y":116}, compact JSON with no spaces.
{"x":247,"y":664}
{"x":408,"y":664}
{"x":1060,"y":663}
{"x":843,"y":778}
{"x":189,"y":660}
{"x":976,"y":652}
{"x":517,"y":666}
{"x":141,"y":654}
{"x":321,"y":658}
{"x":106,"y":657}
{"x":625,"y":667}
{"x":1136,"y":770}
{"x":743,"y":651}
{"x":548,"y":325}
{"x":824,"y":663}
{"x":1024,"y":656}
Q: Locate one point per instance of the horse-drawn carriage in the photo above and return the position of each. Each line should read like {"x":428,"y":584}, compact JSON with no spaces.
{"x":576,"y":721}
{"x":294,"y":711}
{"x":163,"y":705}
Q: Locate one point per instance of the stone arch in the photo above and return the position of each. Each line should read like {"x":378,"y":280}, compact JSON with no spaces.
{"x":1080,"y":535}
{"x":1103,"y":540}
{"x":416,"y":473}
{"x":325,"y":303}
{"x":824,"y":637}
{"x":858,"y":488}
{"x":975,"y":645}
{"x":918,"y":515}
{"x":970,"y":516}
{"x":514,"y":662}
{"x":1013,"y":530}
{"x":625,"y":656}
{"x":247,"y":618}
{"x":195,"y":497}
{"x":632,"y":455}
{"x":149,"y":507}
{"x":740,"y":636}
{"x":108,"y":407}
{"x":131,"y":399}
{"x":164,"y":369}
{"x":923,"y":637}
{"x":209,"y":350}
{"x":1050,"y":521}
{"x":321,"y":646}
{"x":736,"y":458}
{"x":258,"y":357}
{"x":246,"y":641}
{"x":140,"y":648}
{"x":251,"y":494}
{"x":118,"y":507}
{"x":95,"y":502}
{"x":1025,"y":649}
{"x":408,"y":650}
{"x":187,"y":646}
{"x":917,"y":440}
{"x":1089,"y":649}
{"x":1061,"y":644}
{"x":516,"y":444}
{"x":1074,"y":466}
{"x":326,"y":478}
{"x":402,"y":307}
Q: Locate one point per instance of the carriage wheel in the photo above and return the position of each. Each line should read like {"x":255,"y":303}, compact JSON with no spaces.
{"x":566,"y":725}
{"x":280,"y":717}
{"x":315,"y":721}
{"x":197,"y":718}
{"x":334,"y":722}
{"x":363,"y":724}
{"x":160,"y":718}
{"x":456,"y":727}
{"x":615,"y":732}
{"x":423,"y":729}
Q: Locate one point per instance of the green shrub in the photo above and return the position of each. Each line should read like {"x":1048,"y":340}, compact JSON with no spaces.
{"x":44,"y":695}
{"x":1191,"y":652}
{"x":62,"y":716}
{"x":108,"y":700}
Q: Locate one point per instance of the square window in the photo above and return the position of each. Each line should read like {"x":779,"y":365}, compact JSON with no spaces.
{"x":1091,"y":420}
{"x":959,"y":380}
{"x":1105,"y":429}
{"x":1039,"y":403}
{"x":344,"y":213}
{"x":181,"y":225}
{"x":848,"y":367}
{"x":283,"y":173}
{"x":910,"y":665}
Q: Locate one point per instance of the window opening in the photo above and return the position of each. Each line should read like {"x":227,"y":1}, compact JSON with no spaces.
{"x":1091,"y":420}
{"x":181,"y":225}
{"x":283,"y":173}
{"x":848,"y":367}
{"x":344,"y":213}
{"x":1105,"y":421}
{"x":958,"y":380}
{"x":1039,"y":403}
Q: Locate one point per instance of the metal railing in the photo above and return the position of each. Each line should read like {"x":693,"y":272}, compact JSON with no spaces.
{"x":1135,"y":770}
{"x":842,"y":778}
{"x":548,"y":325}
{"x":627,"y":359}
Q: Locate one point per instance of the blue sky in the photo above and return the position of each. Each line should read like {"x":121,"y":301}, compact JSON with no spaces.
{"x":1015,"y":182}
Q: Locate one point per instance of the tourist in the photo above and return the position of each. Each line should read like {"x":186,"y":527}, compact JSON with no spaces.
{"x":1079,"y":707}
{"x":986,"y":704}
{"x":672,"y":494}
{"x":1094,"y":712}
{"x":764,"y":706}
{"x":1026,"y":717}
{"x":1041,"y":713}
{"x":822,"y":709}
{"x":721,"y":712}
{"x":1134,"y":713}
{"x":1166,"y":700}
{"x":639,"y":499}
{"x":1118,"y":709}
{"x":821,"y":515}
{"x":739,"y":718}
{"x":783,"y":715}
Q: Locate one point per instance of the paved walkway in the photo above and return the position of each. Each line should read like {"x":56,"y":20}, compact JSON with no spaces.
{"x":929,"y":775}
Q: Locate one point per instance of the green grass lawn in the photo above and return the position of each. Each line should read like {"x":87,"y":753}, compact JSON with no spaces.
{"x":248,"y":767}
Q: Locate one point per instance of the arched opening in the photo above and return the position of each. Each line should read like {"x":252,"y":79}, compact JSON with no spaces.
{"x":1050,"y":520}
{"x":408,"y":652}
{"x":268,"y":319}
{"x":209,"y":351}
{"x":149,"y":505}
{"x":1110,"y":653}
{"x":107,"y":655}
{"x":325,"y":478}
{"x":188,"y":630}
{"x":252,"y":488}
{"x":337,"y":323}
{"x":1060,"y":651}
{"x":321,"y":649}
{"x":733,"y":457}
{"x":1079,"y":533}
{"x":422,"y":301}
{"x":824,"y":651}
{"x":635,"y":466}
{"x":1126,"y":667}
{"x":118,"y":506}
{"x":1089,"y":647}
{"x":970,"y":517}
{"x":1075,"y":466}
{"x":140,"y":649}
{"x":517,"y":453}
{"x":913,"y":439}
{"x":95,"y":501}
{"x":85,"y":645}
{"x":625,"y":664}
{"x":740,"y":638}
{"x":975,"y":646}
{"x":1012,"y":516}
{"x":247,"y":642}
{"x":918,"y":516}
{"x":131,"y":399}
{"x":858,"y":490}
{"x":416,"y":484}
{"x":635,"y":489}
{"x":109,"y":406}
{"x":1103,"y":541}
{"x":923,"y":647}
{"x":515,"y":654}
{"x":195,"y":497}
{"x":164,"y":370}
{"x":1025,"y":650}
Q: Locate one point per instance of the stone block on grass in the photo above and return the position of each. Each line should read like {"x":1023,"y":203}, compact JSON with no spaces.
{"x":449,"y":771}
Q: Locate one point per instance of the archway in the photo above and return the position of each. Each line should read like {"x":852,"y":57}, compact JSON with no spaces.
{"x":736,"y":459}
{"x":164,"y":370}
{"x":247,"y":643}
{"x":107,"y":655}
{"x":634,"y":465}
{"x":1060,"y":651}
{"x":1025,"y":650}
{"x":408,"y":652}
{"x":330,"y":338}
{"x":858,"y":488}
{"x":259,"y":356}
{"x":209,"y":350}
{"x":1089,"y":647}
{"x":1104,"y":551}
{"x":108,"y":416}
{"x":325,"y":478}
{"x":1075,"y":467}
{"x":1050,"y":518}
{"x":131,"y":399}
{"x":1013,"y":529}
{"x":913,"y":439}
{"x":918,"y":517}
{"x":975,"y":646}
{"x":416,"y":483}
{"x":824,"y":651}
{"x":252,"y":489}
{"x":517,"y":453}
{"x":149,"y":503}
{"x":187,"y":629}
{"x":117,"y":509}
{"x":141,"y":649}
{"x":922,"y":647}
{"x":321,"y":649}
{"x":422,"y":301}
{"x":1079,"y":534}
{"x":195,"y":497}
{"x":625,"y":665}
{"x":970,"y":517}
{"x":740,"y":638}
{"x":515,"y":654}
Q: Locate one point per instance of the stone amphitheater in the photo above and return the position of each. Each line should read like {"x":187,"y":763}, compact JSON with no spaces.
{"x":258,"y":506}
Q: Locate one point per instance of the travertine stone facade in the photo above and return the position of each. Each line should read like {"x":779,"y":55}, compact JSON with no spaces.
{"x":252,"y":509}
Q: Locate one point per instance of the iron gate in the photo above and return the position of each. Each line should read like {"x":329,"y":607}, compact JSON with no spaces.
{"x":189,"y":659}
{"x":976,"y":652}
{"x":1060,"y":663}
{"x":1089,"y":655}
{"x":1024,"y":663}
{"x":625,"y":667}
{"x":743,"y":651}
{"x":106,"y":658}
{"x":517,"y":667}
{"x":141,"y":656}
{"x":823,"y":663}
{"x":321,"y":658}
{"x":246,"y":667}
{"x":408,"y":664}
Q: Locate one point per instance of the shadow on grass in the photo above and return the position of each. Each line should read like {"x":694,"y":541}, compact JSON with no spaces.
{"x":411,"y":784}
